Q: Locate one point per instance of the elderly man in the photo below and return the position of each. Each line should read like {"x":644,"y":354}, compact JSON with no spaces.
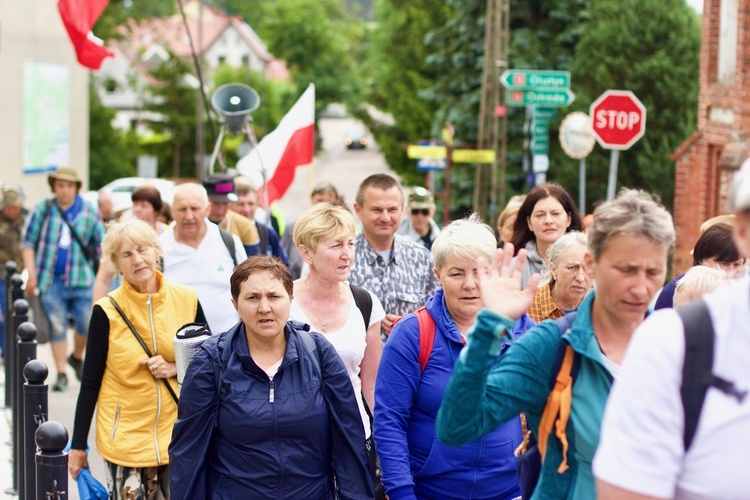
{"x":200,"y":254}
{"x":105,"y":202}
{"x":419,"y":225}
{"x":677,"y":423}
{"x":246,"y":205}
{"x":398,"y":271}
{"x":220,"y":189}
{"x":11,"y":226}
{"x":59,"y":247}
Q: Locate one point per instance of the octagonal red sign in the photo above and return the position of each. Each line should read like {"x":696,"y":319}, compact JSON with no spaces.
{"x":618,"y":119}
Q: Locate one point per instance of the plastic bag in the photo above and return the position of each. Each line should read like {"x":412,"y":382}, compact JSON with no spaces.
{"x":89,"y":488}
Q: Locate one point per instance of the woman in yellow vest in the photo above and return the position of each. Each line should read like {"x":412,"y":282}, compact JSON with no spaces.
{"x":135,"y":390}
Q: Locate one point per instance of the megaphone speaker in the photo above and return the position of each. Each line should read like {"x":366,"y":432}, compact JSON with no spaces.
{"x":234,"y":102}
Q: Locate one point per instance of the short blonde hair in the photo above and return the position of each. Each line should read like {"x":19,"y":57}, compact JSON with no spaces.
{"x":696,"y":282}
{"x":512,"y":208}
{"x":324,"y":220}
{"x":728,"y":219}
{"x":134,"y":231}
{"x":468,"y":238}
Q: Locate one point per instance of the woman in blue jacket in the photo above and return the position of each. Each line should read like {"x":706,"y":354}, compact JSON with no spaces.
{"x":267,"y":409}
{"x":415,"y":464}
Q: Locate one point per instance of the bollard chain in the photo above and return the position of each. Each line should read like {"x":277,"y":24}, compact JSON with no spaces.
{"x":54,"y":494}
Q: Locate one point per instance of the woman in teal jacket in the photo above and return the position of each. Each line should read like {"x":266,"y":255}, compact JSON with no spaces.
{"x":628,"y":248}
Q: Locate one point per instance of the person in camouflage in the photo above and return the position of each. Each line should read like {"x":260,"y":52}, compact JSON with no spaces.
{"x":11,"y":225}
{"x":398,"y":271}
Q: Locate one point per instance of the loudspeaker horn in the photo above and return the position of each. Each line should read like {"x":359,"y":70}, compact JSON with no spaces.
{"x":234,"y":102}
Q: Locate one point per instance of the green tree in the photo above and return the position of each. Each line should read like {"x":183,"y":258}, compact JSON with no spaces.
{"x":112,"y":153}
{"x":398,"y":71}
{"x":650,"y":47}
{"x":174,"y":99}
{"x":117,"y":12}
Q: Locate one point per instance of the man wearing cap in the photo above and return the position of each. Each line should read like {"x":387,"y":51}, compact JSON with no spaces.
{"x":419,"y":224}
{"x":220,"y":189}
{"x":60,"y":233}
{"x":644,"y":450}
{"x":201,"y":255}
{"x":11,"y":226}
{"x":398,"y":271}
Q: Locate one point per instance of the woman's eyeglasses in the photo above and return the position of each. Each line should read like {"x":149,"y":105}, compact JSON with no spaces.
{"x":423,"y":211}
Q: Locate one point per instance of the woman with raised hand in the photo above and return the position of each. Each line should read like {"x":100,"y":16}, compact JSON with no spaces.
{"x":547,"y":213}
{"x":628,"y":247}
{"x":564,"y":282}
{"x":267,"y":408}
{"x":413,"y":376}
{"x":135,"y":392}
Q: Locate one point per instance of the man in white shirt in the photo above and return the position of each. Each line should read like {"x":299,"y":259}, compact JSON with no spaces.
{"x":196,"y":255}
{"x":641,"y":454}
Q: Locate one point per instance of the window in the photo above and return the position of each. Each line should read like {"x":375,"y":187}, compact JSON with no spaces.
{"x":222,"y":60}
{"x":246,"y":60}
{"x":727,"y":64}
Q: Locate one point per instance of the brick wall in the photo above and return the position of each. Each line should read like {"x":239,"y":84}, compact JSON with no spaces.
{"x":700,"y":185}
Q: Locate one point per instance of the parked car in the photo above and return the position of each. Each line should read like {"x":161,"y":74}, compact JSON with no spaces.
{"x":356,"y":138}
{"x":122,"y":189}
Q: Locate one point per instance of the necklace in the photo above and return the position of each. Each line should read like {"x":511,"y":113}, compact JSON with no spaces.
{"x":323,"y":324}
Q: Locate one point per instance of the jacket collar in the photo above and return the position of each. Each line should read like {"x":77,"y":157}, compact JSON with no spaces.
{"x":371,"y":255}
{"x":133,"y":294}
{"x":439,"y":311}
{"x":292,"y":352}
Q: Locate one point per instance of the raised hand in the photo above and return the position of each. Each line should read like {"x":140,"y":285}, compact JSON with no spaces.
{"x":500,"y":287}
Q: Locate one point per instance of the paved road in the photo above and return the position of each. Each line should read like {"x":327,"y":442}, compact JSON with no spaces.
{"x":344,"y":168}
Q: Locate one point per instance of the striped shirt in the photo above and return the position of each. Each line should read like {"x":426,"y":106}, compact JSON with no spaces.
{"x":42,"y":233}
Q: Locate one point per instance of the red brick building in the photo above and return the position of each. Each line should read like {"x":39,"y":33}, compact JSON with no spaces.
{"x":708,"y":158}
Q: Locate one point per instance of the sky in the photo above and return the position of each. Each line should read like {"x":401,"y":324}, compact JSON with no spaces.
{"x":696,"y":4}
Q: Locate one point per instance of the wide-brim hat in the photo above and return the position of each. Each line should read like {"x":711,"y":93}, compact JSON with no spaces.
{"x":64,"y":174}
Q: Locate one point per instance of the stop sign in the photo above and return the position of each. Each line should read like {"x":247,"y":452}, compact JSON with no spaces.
{"x":618,"y":119}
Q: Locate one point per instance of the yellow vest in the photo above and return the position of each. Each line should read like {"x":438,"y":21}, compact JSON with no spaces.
{"x":135,"y":412}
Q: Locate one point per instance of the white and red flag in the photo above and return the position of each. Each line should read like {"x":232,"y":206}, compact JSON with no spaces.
{"x":79,"y":17}
{"x":291,"y":145}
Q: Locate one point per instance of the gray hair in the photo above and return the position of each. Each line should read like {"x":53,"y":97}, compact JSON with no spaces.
{"x":698,"y":280}
{"x":468,"y":238}
{"x":559,"y":248}
{"x":633,"y":212}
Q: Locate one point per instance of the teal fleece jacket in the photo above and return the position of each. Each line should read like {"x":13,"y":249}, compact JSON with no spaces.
{"x":480,"y":396}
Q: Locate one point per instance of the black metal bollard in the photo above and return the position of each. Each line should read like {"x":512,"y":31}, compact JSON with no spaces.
{"x":51,"y":461}
{"x":20,"y":315}
{"x":13,"y":285}
{"x":35,"y":410}
{"x":11,"y":268}
{"x":26,"y":347}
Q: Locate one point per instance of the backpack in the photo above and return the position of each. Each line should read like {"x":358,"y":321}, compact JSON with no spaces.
{"x":363,"y":301}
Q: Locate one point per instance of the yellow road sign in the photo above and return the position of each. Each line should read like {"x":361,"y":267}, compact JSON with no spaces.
{"x":473,"y":156}
{"x":432,"y":152}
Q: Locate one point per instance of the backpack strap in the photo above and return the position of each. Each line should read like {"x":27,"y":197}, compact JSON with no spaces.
{"x":698,"y":364}
{"x":311,"y":349}
{"x":363,"y":301}
{"x":426,"y":336}
{"x":557,"y":410}
{"x":228,"y":240}
{"x":263,"y":234}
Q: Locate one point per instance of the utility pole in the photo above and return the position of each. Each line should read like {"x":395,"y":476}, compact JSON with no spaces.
{"x":489,"y":181}
{"x":200,"y":150}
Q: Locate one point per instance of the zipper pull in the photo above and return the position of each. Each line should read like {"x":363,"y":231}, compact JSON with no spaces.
{"x":270,"y":395}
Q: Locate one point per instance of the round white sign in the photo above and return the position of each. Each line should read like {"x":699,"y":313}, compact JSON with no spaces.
{"x":576,"y":135}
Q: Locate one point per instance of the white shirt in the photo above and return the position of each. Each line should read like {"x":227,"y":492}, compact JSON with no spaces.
{"x":207,"y":269}
{"x":350,"y":342}
{"x":641,"y":446}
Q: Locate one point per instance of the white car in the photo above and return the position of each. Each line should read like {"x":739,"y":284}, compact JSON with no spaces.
{"x":123,"y":188}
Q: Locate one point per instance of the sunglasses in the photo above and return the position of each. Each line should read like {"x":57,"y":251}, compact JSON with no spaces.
{"x":423,"y":211}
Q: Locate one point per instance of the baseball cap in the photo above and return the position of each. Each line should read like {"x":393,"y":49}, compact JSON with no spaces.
{"x":421,"y":198}
{"x":220,"y":188}
{"x":739,"y":192}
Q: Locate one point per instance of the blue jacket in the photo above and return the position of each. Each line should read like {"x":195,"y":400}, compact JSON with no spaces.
{"x":282,"y":438}
{"x":415,"y":464}
{"x":482,"y":394}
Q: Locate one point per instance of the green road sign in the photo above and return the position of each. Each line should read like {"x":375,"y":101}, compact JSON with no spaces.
{"x":540,"y":129}
{"x":544,"y":114}
{"x":535,"y":79}
{"x":540,"y":146}
{"x":556,"y":98}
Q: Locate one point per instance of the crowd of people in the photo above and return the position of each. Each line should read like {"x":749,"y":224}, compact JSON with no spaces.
{"x":384,"y":355}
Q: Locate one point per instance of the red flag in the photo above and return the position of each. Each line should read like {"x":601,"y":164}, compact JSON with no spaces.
{"x":79,"y":17}
{"x":283,"y":150}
